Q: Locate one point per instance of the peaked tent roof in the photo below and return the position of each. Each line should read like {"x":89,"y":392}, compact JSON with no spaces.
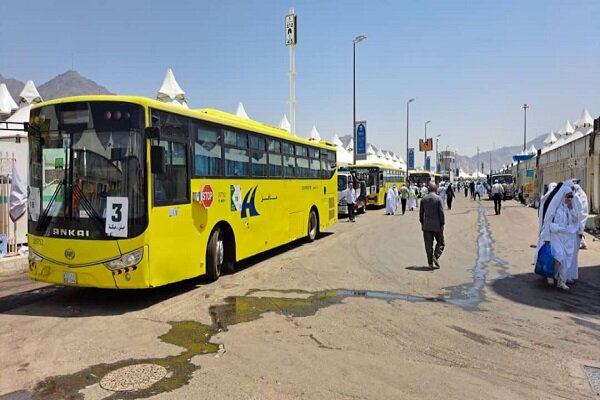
{"x":241,"y":111}
{"x":567,"y":128}
{"x":350,"y":144}
{"x":550,"y":139}
{"x":585,"y":119}
{"x":285,"y":124}
{"x":314,"y":134}
{"x":170,"y":91}
{"x":29,"y":95}
{"x":7,"y":104}
{"x":336,"y":141}
{"x":532,"y":150}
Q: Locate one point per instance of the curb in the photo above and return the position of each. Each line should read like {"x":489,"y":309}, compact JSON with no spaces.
{"x":13,"y":265}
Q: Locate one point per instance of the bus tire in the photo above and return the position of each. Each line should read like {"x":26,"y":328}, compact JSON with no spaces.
{"x":313,"y":226}
{"x":215,"y":255}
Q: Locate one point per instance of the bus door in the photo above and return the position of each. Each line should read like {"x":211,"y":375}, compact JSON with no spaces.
{"x":171,"y":222}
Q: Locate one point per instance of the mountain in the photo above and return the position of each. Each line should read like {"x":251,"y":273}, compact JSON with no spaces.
{"x":70,"y":83}
{"x":501,"y":156}
{"x":14,"y":86}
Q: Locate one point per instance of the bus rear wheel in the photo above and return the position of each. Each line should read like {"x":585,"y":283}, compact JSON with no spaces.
{"x":215,"y":255}
{"x":313,"y":226}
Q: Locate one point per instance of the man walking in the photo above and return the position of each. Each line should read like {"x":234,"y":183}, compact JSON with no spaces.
{"x":403,"y":197}
{"x":350,"y":201}
{"x":431,"y":216}
{"x":497,"y":194}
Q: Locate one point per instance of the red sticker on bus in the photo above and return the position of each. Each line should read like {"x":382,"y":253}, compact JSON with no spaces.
{"x":206,"y":196}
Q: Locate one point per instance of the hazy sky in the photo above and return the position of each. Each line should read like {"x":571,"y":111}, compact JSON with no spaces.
{"x":469,"y":64}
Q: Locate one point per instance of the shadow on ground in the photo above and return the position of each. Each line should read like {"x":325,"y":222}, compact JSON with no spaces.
{"x":422,"y":268}
{"x":76,"y":302}
{"x":532,"y":290}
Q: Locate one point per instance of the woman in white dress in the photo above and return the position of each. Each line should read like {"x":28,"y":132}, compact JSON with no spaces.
{"x":560,"y":226}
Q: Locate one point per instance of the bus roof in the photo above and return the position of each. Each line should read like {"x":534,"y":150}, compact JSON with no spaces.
{"x":207,"y":114}
{"x":374,"y":165}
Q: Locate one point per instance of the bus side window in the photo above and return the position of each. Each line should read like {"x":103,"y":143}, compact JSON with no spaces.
{"x":172,"y":186}
{"x":207,"y":151}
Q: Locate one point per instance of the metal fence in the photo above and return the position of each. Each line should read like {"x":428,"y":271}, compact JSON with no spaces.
{"x":8,"y":229}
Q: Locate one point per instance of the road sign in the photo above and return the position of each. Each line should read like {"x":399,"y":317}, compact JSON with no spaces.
{"x":206,"y":196}
{"x":360,"y":128}
{"x":411,"y":158}
{"x":426,"y":144}
{"x":290,"y":29}
{"x":428,"y":164}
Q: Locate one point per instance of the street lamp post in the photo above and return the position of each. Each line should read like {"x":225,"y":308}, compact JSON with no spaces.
{"x":525,"y":107}
{"x":425,"y":159}
{"x":407,"y":110}
{"x":357,"y":39}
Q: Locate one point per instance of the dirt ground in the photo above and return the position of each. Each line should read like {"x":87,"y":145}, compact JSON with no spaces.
{"x":354,"y":315}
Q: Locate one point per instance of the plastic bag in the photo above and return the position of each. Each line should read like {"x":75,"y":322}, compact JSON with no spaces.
{"x":545,"y":262}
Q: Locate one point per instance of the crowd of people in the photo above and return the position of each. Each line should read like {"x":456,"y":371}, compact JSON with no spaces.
{"x":562,"y":213}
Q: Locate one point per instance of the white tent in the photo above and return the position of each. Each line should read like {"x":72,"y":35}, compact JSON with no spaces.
{"x":567,"y":129}
{"x":7,"y":104}
{"x":532,"y":150}
{"x":550,"y":139}
{"x":241,"y":111}
{"x":336,"y":141}
{"x":29,"y":95}
{"x":585,"y":120}
{"x":314,"y":134}
{"x":285,"y":124}
{"x":170,"y":91}
{"x":350,"y":146}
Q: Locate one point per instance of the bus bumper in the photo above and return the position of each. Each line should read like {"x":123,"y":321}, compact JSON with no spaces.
{"x":96,"y":275}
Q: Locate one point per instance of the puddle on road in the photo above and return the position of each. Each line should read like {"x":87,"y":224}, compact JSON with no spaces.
{"x":195,"y":337}
{"x":469,"y":296}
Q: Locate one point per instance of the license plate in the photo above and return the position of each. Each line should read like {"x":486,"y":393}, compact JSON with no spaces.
{"x":70,"y":278}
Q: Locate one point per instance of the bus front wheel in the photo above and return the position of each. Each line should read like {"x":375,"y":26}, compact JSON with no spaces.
{"x":313,"y":226}
{"x":215,"y":254}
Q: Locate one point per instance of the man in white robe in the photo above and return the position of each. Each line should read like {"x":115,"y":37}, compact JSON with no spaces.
{"x":442,"y":193}
{"x":390,"y":202}
{"x":412,"y":198}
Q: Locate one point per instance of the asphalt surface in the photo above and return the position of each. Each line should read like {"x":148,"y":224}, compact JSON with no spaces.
{"x":355,"y":315}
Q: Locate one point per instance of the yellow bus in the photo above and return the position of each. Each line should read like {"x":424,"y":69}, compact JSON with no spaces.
{"x":422,"y":178}
{"x":379,"y":178}
{"x":129,"y":192}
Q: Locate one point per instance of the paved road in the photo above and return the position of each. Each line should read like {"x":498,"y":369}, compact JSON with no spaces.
{"x":355,"y":315}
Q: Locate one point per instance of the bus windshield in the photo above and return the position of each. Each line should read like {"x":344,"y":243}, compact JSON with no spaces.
{"x":85,"y":156}
{"x":342,"y":182}
{"x":508,"y":179}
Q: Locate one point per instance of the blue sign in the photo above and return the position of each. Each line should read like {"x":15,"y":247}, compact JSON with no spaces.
{"x":428,"y":164}
{"x":361,"y":140}
{"x":529,"y":173}
{"x":411,"y":158}
{"x":438,"y":167}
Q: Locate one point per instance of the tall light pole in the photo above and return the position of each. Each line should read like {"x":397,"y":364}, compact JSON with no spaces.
{"x":425,"y":159}
{"x":524,"y":107}
{"x":357,"y":39}
{"x":407,"y":110}
{"x":437,"y":153}
{"x":477,"y":166}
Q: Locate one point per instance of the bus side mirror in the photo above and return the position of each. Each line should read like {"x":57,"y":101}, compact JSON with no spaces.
{"x":158,"y":162}
{"x":152,"y":132}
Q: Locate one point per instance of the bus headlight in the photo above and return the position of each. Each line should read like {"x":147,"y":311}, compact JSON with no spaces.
{"x":127,"y":260}
{"x":33,"y":256}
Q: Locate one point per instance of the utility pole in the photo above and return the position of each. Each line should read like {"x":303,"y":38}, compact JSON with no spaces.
{"x":524,"y":107}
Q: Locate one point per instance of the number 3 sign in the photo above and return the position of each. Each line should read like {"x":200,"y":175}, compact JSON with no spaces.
{"x":116,"y":216}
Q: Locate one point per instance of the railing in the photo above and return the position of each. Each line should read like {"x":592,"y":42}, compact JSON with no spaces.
{"x":8,"y":229}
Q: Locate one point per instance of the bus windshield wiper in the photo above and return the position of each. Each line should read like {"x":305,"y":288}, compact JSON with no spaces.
{"x":88,"y":208}
{"x":45,"y":219}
